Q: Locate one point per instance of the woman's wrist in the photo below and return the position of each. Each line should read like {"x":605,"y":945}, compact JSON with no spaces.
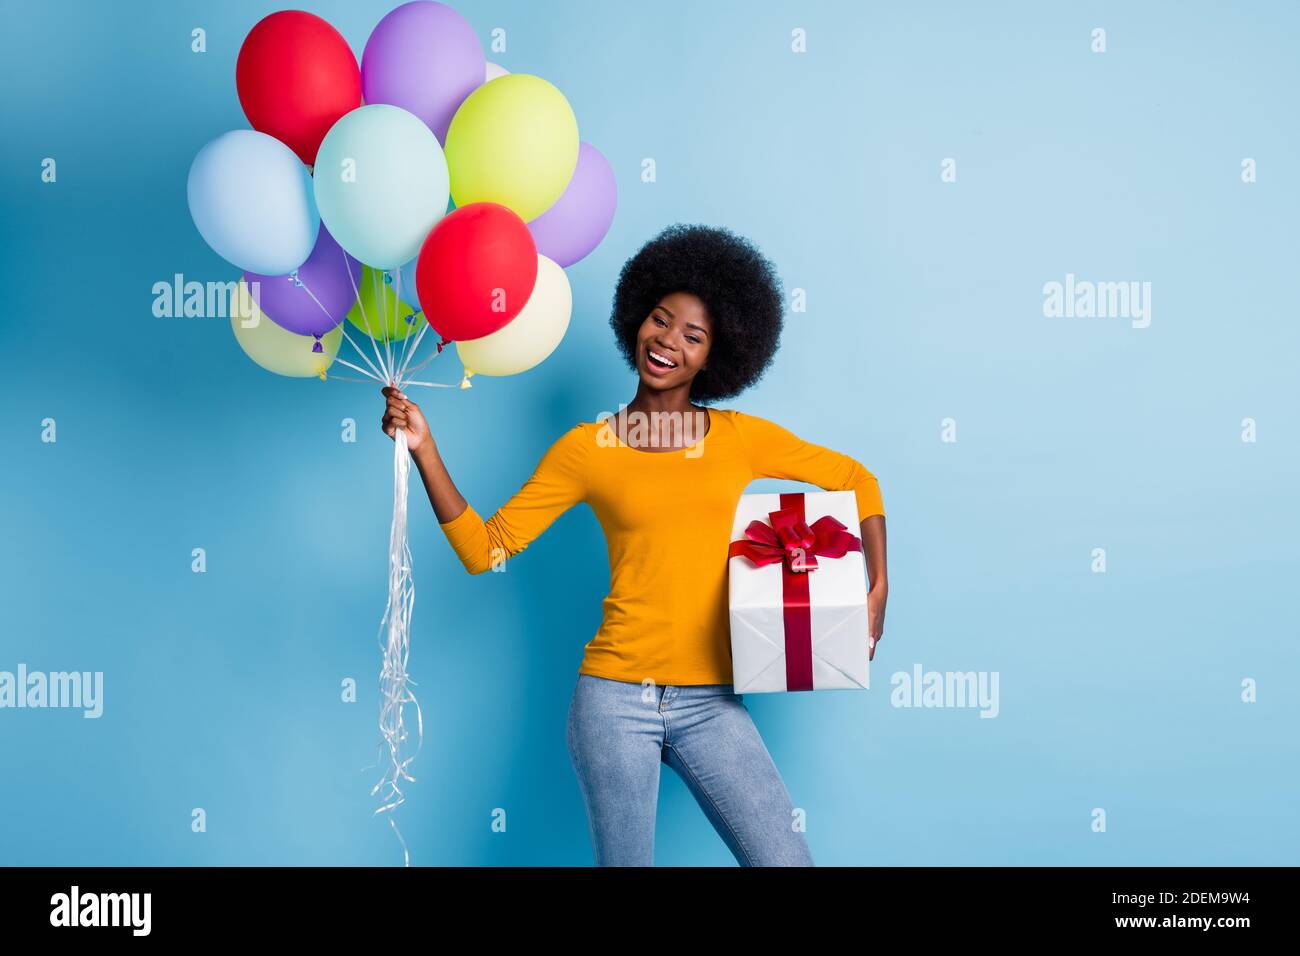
{"x":424,"y":454}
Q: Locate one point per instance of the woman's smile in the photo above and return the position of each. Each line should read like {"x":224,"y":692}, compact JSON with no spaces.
{"x":658,"y":362}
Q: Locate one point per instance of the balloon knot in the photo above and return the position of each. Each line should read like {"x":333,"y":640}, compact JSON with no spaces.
{"x":442,"y":343}
{"x":316,"y":347}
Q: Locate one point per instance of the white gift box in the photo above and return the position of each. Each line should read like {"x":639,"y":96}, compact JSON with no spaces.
{"x":799,"y":629}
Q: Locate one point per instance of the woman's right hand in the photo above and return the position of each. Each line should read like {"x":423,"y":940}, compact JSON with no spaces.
{"x":403,"y":413}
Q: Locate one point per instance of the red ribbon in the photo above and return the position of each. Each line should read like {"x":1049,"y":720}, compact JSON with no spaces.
{"x":795,"y":544}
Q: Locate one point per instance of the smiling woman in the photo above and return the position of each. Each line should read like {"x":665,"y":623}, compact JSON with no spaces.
{"x":708,"y":302}
{"x":697,"y":314}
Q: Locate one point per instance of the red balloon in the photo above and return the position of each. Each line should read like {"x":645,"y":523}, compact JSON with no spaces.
{"x":476,"y":270}
{"x":296,"y":76}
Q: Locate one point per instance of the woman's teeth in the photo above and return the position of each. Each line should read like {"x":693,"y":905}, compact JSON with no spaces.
{"x":660,"y":360}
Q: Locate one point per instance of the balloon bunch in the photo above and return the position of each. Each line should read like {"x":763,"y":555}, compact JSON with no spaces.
{"x":425,"y":182}
{"x":424,"y":188}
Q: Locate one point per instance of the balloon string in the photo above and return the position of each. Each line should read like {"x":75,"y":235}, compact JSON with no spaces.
{"x":383,"y":325}
{"x":390,"y":327}
{"x":306,"y":288}
{"x":406,"y":339}
{"x":419,"y":337}
{"x":357,"y":368}
{"x":365,"y":318}
{"x":385,"y":330}
{"x":377,"y":376}
{"x":419,"y":365}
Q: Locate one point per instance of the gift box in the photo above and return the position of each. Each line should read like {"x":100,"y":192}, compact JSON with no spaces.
{"x":797,"y":582}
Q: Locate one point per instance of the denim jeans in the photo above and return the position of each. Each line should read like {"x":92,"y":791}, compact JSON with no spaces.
{"x":620,"y":732}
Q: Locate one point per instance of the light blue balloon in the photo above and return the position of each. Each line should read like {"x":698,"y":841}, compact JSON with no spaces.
{"x":381,"y":184}
{"x":251,"y":199}
{"x":407,"y":291}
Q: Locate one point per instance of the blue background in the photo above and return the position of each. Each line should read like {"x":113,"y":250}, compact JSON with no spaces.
{"x":1119,"y":690}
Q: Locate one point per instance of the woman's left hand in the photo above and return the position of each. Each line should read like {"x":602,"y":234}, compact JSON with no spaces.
{"x":876,"y":599}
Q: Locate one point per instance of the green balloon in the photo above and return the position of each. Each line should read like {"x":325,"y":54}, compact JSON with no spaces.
{"x":378,"y":311}
{"x":513,"y":141}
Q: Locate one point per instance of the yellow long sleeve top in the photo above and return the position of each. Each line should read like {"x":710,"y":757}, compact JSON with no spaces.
{"x":667,"y":518}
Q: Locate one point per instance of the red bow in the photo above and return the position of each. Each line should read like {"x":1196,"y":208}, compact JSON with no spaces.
{"x":791,"y":539}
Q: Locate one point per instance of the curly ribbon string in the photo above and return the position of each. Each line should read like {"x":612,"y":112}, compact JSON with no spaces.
{"x":395,"y":683}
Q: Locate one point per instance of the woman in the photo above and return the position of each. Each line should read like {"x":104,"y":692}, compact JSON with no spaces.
{"x":697,"y":314}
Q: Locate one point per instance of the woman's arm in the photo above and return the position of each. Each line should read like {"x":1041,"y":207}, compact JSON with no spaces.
{"x":873,"y":546}
{"x":401,"y":412}
{"x":558,"y":483}
{"x":776,"y":452}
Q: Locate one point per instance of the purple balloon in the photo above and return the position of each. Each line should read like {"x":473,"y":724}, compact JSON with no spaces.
{"x":424,"y":57}
{"x":316,"y":297}
{"x":579,"y":219}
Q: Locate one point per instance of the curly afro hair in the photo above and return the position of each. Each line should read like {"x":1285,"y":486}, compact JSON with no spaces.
{"x":738,"y":286}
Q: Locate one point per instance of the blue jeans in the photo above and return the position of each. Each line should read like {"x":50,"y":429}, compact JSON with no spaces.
{"x":620,"y":732}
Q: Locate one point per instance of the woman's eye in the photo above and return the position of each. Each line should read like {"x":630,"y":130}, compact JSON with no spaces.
{"x":693,"y":340}
{"x":659,"y":320}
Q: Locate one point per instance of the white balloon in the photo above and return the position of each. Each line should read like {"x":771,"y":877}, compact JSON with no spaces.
{"x":493,"y":71}
{"x":531,"y":335}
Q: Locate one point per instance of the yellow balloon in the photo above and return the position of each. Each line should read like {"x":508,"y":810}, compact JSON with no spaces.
{"x":513,"y":141}
{"x":531,"y":335}
{"x":379,"y":309}
{"x":276,"y":349}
